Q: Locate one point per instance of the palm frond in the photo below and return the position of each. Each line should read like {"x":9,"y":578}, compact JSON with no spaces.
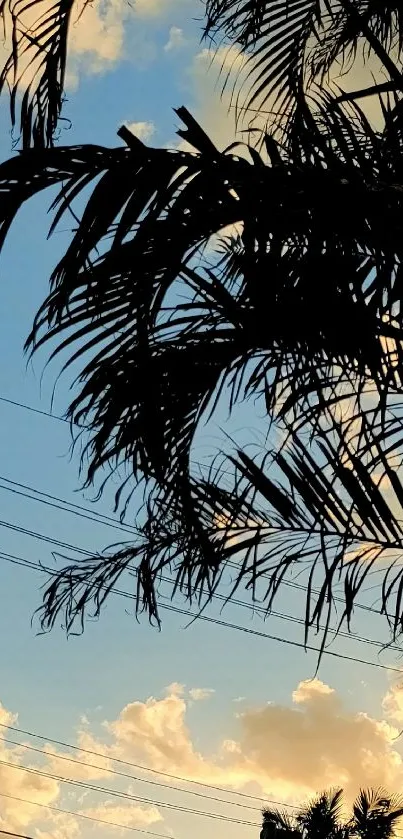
{"x":278,"y":825}
{"x":34,"y":69}
{"x":317,"y":510}
{"x":272,"y":36}
{"x":376,"y":814}
{"x":263,"y":319}
{"x":288,"y":45}
{"x":320,"y":819}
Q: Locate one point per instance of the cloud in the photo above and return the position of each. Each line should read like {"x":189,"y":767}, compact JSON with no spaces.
{"x":143,"y":130}
{"x":98,"y":38}
{"x":392,"y":703}
{"x":287,"y":751}
{"x":317,"y":743}
{"x":60,"y":826}
{"x":126,"y":815}
{"x":176,"y":39}
{"x":87,"y":767}
{"x":198,"y":694}
{"x":155,"y":731}
{"x":211,"y":104}
{"x":290,"y":751}
{"x":26,"y":796}
{"x":98,"y":33}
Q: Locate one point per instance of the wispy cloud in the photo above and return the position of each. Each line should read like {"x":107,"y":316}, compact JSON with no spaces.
{"x":143,"y":130}
{"x":198,"y":694}
{"x":175,"y":40}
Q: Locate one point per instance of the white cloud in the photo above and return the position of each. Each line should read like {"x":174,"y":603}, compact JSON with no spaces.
{"x":290,"y":751}
{"x":198,"y":694}
{"x":88,"y":767}
{"x":309,"y":689}
{"x":392,"y":703}
{"x":59,"y":826}
{"x":126,"y":815}
{"x":143,"y":130}
{"x":211,"y":105}
{"x":175,"y":40}
{"x":157,"y":9}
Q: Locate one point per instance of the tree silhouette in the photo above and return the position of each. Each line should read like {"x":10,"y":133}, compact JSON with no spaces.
{"x":300,"y":308}
{"x":375,"y":816}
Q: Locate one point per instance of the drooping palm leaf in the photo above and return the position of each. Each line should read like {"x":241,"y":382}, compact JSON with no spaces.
{"x":288,"y":44}
{"x":318,"y":510}
{"x":308,"y":304}
{"x":301,"y":310}
{"x":34,"y":70}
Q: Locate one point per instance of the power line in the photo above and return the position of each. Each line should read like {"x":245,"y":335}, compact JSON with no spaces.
{"x":289,"y":583}
{"x":125,"y":795}
{"x":83,"y":816}
{"x":254,"y":607}
{"x":120,"y":761}
{"x":218,"y":622}
{"x":279,"y":640}
{"x":124,"y":774}
{"x":60,"y":418}
{"x":18,"y":528}
{"x":63,"y":505}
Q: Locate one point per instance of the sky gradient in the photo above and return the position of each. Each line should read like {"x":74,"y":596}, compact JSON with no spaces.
{"x":212,"y":704}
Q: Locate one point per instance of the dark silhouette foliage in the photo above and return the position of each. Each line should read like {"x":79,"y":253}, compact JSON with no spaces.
{"x":299,"y":307}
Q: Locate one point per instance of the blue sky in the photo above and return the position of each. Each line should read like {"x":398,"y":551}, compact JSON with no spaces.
{"x":248,"y":732}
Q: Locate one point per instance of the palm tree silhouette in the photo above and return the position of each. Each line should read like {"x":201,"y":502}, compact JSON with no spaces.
{"x":301,"y":308}
{"x":375,"y":816}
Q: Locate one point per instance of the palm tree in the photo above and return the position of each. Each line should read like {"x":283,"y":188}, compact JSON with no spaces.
{"x":302,"y":308}
{"x":286,"y":44}
{"x":375,"y":816}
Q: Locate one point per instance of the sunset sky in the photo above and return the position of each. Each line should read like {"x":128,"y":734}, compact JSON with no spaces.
{"x":204,"y":702}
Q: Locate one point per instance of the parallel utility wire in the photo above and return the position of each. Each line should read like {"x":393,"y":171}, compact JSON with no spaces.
{"x":63,"y":506}
{"x":120,"y":525}
{"x":130,"y":777}
{"x":202,"y":617}
{"x":54,"y":809}
{"x":126,"y":796}
{"x":143,"y":768}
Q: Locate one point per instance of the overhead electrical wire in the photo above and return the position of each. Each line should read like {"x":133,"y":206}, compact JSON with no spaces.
{"x":62,"y":504}
{"x":124,"y":795}
{"x":126,"y":775}
{"x":227,"y":624}
{"x":110,"y":521}
{"x":143,"y":768}
{"x":290,"y":583}
{"x":251,"y":606}
{"x":83,"y":816}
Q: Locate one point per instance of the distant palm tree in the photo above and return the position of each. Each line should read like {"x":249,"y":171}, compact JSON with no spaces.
{"x":375,"y":816}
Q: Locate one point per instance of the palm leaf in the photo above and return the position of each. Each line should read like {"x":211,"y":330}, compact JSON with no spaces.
{"x":375,"y":814}
{"x":260,"y":320}
{"x":34,"y":70}
{"x":290,"y":44}
{"x":320,"y":819}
